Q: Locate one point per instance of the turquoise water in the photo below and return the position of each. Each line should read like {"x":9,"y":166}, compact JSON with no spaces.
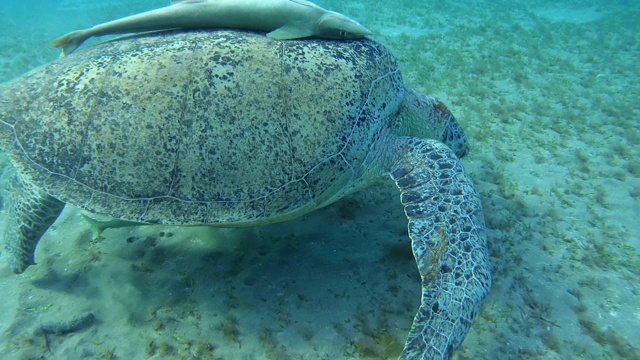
{"x":547,"y":93}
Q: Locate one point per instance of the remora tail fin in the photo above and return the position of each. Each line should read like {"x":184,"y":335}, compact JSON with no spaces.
{"x":70,"y":42}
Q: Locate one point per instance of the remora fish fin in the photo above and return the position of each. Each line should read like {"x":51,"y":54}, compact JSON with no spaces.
{"x":70,"y":42}
{"x":337,"y":26}
{"x":291,"y":31}
{"x":100,"y":225}
{"x":305,"y":3}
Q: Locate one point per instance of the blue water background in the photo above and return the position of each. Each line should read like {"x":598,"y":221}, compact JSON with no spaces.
{"x":548,"y":94}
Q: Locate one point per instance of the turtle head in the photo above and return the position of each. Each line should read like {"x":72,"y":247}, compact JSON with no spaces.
{"x":427,"y":117}
{"x":452,"y":135}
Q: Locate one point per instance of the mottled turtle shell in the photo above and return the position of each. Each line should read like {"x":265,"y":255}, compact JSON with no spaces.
{"x":202,"y":127}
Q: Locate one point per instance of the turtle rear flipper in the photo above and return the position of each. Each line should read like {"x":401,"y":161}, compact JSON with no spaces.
{"x":30,"y":214}
{"x":448,"y":237}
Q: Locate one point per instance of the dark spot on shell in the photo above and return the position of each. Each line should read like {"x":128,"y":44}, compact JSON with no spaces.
{"x":435,"y":307}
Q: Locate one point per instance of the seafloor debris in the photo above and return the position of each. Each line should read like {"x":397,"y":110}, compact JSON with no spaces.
{"x":77,"y":323}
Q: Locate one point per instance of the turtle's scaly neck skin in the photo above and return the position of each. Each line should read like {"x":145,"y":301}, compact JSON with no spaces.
{"x":427,"y":117}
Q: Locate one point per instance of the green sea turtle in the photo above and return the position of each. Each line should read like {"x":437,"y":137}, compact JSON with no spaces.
{"x":233,"y":128}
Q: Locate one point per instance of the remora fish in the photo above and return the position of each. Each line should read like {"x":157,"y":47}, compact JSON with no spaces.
{"x":284,"y":19}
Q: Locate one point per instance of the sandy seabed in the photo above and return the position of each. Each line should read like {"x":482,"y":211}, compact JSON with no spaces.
{"x":547,"y":93}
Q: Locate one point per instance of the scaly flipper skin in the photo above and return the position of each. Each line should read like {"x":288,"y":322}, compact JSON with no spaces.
{"x":30,"y":214}
{"x":447,"y":232}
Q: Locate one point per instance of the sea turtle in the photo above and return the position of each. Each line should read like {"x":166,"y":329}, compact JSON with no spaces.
{"x":232,"y":128}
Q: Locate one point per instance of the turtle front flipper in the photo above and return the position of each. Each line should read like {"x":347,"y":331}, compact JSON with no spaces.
{"x":448,"y":237}
{"x":30,"y":214}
